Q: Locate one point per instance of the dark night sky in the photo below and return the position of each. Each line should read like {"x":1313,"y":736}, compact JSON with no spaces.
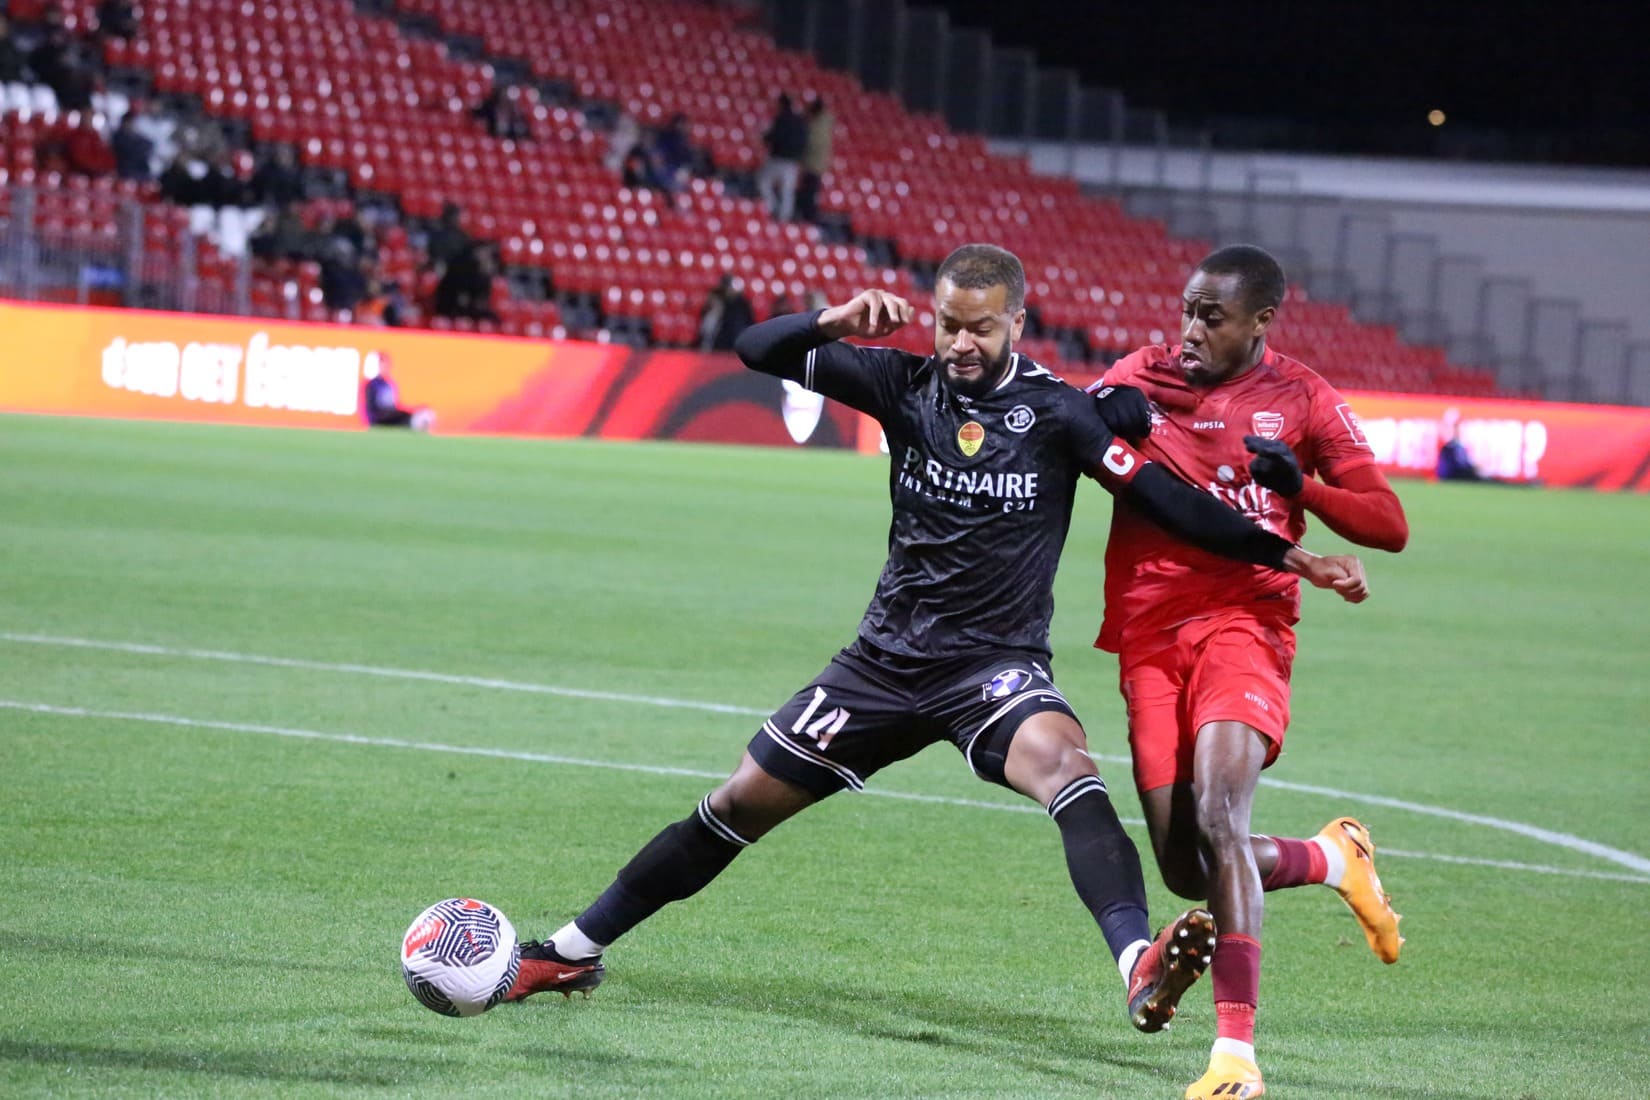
{"x":1576,"y":68}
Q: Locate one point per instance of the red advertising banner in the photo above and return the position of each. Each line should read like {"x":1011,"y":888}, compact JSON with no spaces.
{"x":172,"y":366}
{"x":1583,"y":446}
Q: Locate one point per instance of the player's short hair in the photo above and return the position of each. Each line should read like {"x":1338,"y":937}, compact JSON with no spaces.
{"x":1260,"y":277}
{"x":983,"y":266}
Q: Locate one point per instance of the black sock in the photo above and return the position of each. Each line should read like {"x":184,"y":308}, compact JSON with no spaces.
{"x":676,"y":864}
{"x":1104,"y":865}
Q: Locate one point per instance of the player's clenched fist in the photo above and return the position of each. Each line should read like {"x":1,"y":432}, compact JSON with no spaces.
{"x":1342,"y":572}
{"x":870,"y":314}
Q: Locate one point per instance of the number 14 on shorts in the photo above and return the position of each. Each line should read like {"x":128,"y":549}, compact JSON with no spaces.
{"x":825,"y":726}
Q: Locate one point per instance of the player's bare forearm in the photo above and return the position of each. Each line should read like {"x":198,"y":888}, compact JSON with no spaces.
{"x":1343,"y":573}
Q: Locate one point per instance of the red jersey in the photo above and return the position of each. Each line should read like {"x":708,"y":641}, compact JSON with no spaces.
{"x":1153,"y":580}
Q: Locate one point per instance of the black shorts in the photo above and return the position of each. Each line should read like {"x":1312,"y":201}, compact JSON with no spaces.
{"x":870,"y":708}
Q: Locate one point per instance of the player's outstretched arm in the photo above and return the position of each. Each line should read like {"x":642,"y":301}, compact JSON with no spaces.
{"x":1358,"y":505}
{"x":1200,"y":519}
{"x":780,"y":345}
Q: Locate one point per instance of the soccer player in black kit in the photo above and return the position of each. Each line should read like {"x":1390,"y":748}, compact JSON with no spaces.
{"x":986,"y":450}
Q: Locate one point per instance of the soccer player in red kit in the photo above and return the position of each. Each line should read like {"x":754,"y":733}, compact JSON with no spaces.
{"x":1205,"y":644}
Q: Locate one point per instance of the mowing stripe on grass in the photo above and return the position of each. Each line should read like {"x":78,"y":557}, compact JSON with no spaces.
{"x":1631,"y":860}
{"x":374,"y":670}
{"x":656,"y":769}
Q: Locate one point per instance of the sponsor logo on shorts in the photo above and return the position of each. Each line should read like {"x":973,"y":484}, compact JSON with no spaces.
{"x":970,"y":436}
{"x":1258,"y":701}
{"x":1005,"y":683}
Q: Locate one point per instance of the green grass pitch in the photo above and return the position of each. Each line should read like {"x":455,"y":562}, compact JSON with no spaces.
{"x":219,"y":814}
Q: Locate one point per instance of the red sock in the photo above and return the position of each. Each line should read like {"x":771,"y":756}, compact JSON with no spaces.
{"x":1235,"y":973}
{"x":1300,"y":863}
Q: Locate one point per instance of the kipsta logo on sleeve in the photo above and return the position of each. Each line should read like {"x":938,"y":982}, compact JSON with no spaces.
{"x":1267,"y":425}
{"x":969,"y":438}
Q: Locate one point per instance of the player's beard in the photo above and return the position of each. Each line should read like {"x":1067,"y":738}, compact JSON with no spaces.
{"x":991,"y":373}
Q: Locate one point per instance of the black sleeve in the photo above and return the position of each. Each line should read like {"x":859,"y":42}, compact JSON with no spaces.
{"x":791,"y":347}
{"x":1201,"y":520}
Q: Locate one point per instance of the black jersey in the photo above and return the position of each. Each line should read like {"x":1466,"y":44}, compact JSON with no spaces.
{"x":982,"y":492}
{"x":982,"y":489}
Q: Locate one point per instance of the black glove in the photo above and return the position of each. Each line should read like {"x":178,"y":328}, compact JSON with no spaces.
{"x":1125,"y":410}
{"x":1274,"y":465}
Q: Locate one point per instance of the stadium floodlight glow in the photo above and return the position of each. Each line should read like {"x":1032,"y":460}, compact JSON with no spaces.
{"x":1436,"y":117}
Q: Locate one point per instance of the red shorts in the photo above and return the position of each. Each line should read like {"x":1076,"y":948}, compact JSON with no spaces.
{"x":1232,"y":667}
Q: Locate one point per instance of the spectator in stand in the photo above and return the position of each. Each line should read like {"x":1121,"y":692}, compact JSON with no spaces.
{"x":161,"y":129}
{"x":816,"y":158}
{"x":347,"y":228}
{"x":86,"y":150}
{"x":179,"y":184}
{"x":786,"y":140}
{"x":674,"y":154}
{"x":381,"y":399}
{"x":625,"y":134}
{"x":117,"y":19}
{"x":466,"y":290}
{"x":278,"y":179}
{"x":502,"y":117}
{"x":287,"y":237}
{"x":726,"y":313}
{"x":381,"y":304}
{"x":448,"y":241}
{"x":343,"y":275}
{"x":220,"y":186}
{"x":57,"y":63}
{"x":201,"y":139}
{"x":11,"y":58}
{"x":132,"y":150}
{"x":639,"y":171}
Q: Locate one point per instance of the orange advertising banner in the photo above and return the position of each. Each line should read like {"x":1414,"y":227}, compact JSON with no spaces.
{"x":173,"y":366}
{"x":236,"y":370}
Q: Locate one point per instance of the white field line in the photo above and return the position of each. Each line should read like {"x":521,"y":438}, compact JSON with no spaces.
{"x":1630,"y":860}
{"x":656,"y":769}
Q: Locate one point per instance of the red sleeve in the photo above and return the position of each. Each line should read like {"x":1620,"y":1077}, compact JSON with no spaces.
{"x":1338,"y":441}
{"x":1151,"y":371}
{"x":1124,"y":372}
{"x":1359,"y":505}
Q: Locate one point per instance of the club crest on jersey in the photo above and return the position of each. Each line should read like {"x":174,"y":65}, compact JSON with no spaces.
{"x":1267,"y":425}
{"x":969,"y":438}
{"x":1004,"y":684}
{"x":1020,"y":419}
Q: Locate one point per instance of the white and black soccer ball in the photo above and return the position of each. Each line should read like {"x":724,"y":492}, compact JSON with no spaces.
{"x":460,"y":957}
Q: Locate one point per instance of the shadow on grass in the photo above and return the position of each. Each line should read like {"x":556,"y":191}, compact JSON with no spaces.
{"x":1060,"y":1046}
{"x":82,"y":947}
{"x":253,"y":1066}
{"x":538,"y":1051}
{"x":1092,"y":1052}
